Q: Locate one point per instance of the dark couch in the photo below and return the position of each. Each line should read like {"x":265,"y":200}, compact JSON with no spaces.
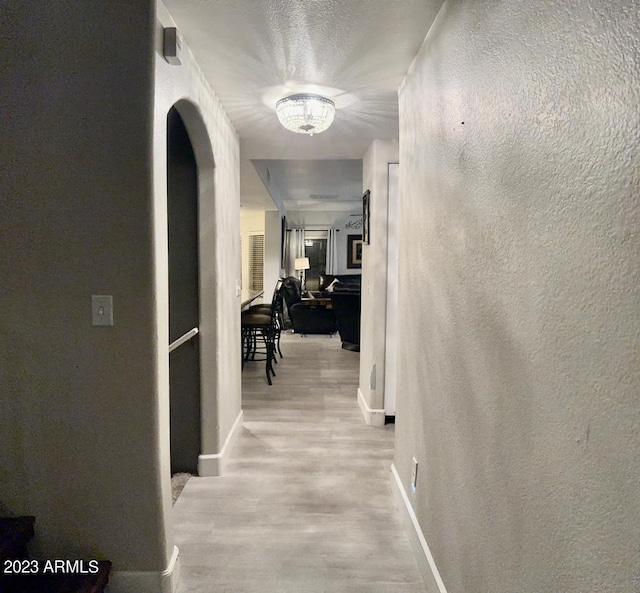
{"x":345,"y":282}
{"x":345,"y":300}
{"x":346,"y":308}
{"x":307,"y":317}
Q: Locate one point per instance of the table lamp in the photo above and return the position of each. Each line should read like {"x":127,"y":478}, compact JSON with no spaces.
{"x":301,"y":264}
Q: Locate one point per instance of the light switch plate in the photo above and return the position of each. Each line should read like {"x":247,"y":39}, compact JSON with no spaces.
{"x":101,"y":309}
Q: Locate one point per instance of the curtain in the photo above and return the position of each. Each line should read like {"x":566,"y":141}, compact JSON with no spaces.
{"x":332,"y":255}
{"x":295,"y":248}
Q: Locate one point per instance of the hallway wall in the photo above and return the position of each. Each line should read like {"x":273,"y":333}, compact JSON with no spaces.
{"x":79,"y":445}
{"x":375,"y":177}
{"x":272,"y":234}
{"x":519,"y":250}
{"x":84,"y":410}
{"x":216,"y":147}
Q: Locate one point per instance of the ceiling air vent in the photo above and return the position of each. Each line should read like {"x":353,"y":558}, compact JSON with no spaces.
{"x":323,"y":197}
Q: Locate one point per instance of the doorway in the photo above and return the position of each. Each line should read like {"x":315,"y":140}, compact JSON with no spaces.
{"x":184,"y":301}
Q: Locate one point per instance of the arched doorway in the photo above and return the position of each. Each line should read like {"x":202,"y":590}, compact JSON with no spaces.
{"x":184,"y":301}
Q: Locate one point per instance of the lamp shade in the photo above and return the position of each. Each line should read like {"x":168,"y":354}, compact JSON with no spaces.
{"x":306,"y":114}
{"x":302,"y":263}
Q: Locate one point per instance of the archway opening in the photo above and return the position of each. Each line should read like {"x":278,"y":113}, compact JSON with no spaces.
{"x":184,"y":300}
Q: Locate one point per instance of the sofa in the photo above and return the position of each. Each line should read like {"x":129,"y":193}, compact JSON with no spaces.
{"x":346,"y":308}
{"x":344,"y":282}
{"x":344,"y":291}
{"x":306,"y":316}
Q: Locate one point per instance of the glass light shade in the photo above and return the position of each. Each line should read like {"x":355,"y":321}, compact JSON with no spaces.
{"x":301,"y":263}
{"x":306,"y":114}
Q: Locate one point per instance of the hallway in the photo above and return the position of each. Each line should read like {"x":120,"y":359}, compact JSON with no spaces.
{"x":305,"y":504}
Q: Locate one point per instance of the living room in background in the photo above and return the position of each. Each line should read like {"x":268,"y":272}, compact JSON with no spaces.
{"x":336,"y":224}
{"x":354,"y":252}
{"x":315,"y":248}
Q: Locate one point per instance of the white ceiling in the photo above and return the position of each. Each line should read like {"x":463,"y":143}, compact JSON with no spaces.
{"x":312,"y":185}
{"x":355,"y":52}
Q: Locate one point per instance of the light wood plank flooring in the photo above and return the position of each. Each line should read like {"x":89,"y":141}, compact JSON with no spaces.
{"x":306,"y":504}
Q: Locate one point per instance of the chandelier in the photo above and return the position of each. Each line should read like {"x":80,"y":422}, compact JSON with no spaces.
{"x":305,"y":113}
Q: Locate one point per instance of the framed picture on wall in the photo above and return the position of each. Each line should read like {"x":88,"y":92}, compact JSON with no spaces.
{"x":366,"y":238}
{"x":354,"y":251}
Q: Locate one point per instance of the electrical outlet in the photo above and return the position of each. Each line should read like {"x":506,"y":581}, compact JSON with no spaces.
{"x":414,"y":474}
{"x":101,"y":309}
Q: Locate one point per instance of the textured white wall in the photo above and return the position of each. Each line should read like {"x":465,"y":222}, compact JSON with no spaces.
{"x":519,"y":295}
{"x":375,"y":177}
{"x":84,"y":410}
{"x":78,"y":436}
{"x":215,"y":142}
{"x":272,"y":231}
{"x":346,"y":224}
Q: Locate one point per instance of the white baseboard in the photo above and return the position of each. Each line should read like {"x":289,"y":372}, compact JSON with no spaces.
{"x":166,"y":581}
{"x":371,"y":417}
{"x":214,"y":464}
{"x":421,"y":550}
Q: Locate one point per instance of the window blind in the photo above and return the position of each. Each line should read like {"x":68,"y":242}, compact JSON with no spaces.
{"x":256,"y":262}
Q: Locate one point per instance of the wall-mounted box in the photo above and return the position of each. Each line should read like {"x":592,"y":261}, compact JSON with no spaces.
{"x":172,"y":49}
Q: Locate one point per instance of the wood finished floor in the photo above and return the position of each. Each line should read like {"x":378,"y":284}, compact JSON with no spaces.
{"x":305,"y":505}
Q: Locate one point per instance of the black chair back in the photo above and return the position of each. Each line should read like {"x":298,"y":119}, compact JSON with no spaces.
{"x":292,"y":291}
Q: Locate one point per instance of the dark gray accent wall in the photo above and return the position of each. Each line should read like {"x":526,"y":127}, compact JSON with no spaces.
{"x":78,"y":404}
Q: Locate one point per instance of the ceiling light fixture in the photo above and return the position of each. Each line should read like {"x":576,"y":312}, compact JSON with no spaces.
{"x":305,"y":113}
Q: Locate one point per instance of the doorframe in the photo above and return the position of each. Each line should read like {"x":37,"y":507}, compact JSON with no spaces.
{"x":184,"y":201}
{"x":205,"y":163}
